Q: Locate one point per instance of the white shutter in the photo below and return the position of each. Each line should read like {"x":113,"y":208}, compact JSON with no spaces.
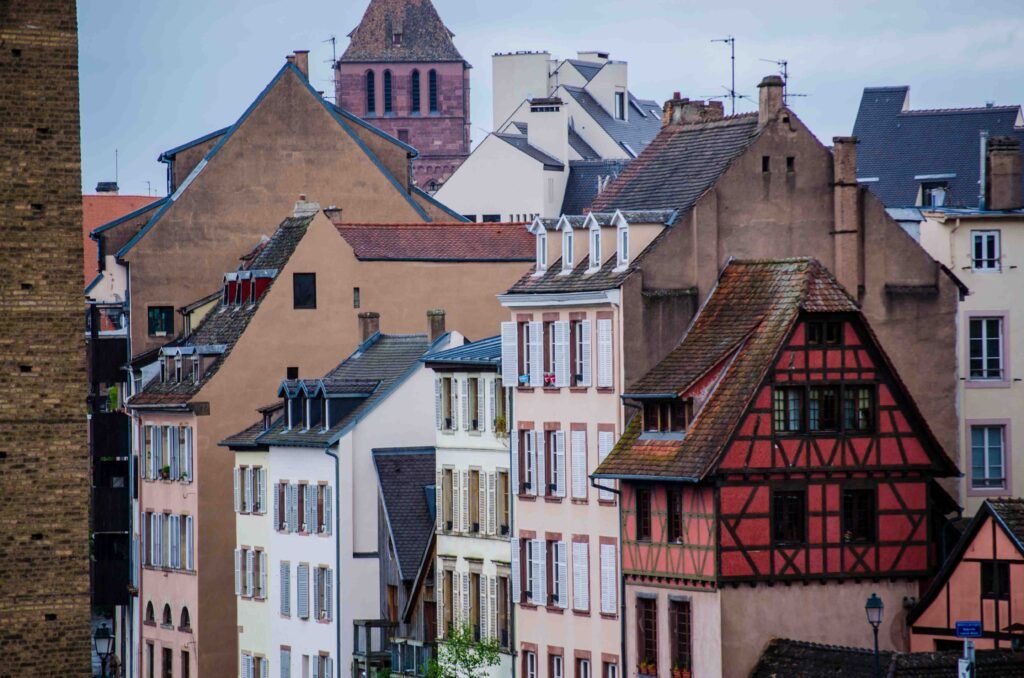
{"x":540,"y":451}
{"x":456,"y":599}
{"x":277,"y":508}
{"x":286,"y":663}
{"x":481,"y":402}
{"x":483,"y":613}
{"x":146,"y":459}
{"x":585,"y":366}
{"x":513,"y":438}
{"x":291,"y":497}
{"x":578,"y":440}
{"x":314,"y":574}
{"x":266,"y":668}
{"x":286,"y":592}
{"x":263,"y":574}
{"x":190,"y":550}
{"x":439,"y":501}
{"x":492,"y":506}
{"x":155,"y":458}
{"x":262,"y":487}
{"x":143,"y":544}
{"x":561,"y":330}
{"x":439,"y":596}
{"x":438,"y":409}
{"x":302,"y":591}
{"x":456,"y":500}
{"x":464,"y":394}
{"x":174,"y":532}
{"x":309,"y":509}
{"x":516,"y":592}
{"x":172,"y":446}
{"x":329,"y":668}
{"x":465,"y":597}
{"x":315,"y":661}
{"x":329,"y":594}
{"x":247,"y":666}
{"x":609,"y":580}
{"x":604,"y":353}
{"x":559,"y":463}
{"x":536,"y":348}
{"x":158,"y":535}
{"x":238,"y":572}
{"x":249,"y":476}
{"x":509,"y":353}
{"x":492,"y":622}
{"x":481,"y":496}
{"x":487,"y":424}
{"x":605,"y":443}
{"x":465,"y":501}
{"x":562,"y":574}
{"x":540,"y":579}
{"x":236,"y":476}
{"x":329,"y":509}
{"x":188,"y":453}
{"x":249,"y":562}
{"x":580,"y":576}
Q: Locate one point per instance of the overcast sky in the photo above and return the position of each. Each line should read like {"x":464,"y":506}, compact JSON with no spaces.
{"x":157,"y":73}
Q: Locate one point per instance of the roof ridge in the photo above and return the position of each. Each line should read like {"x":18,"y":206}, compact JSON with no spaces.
{"x":966,"y":109}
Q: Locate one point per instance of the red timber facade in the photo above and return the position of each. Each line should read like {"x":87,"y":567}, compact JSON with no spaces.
{"x":775,"y":445}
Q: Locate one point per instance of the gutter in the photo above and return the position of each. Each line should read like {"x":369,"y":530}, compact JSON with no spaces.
{"x":337,"y":554}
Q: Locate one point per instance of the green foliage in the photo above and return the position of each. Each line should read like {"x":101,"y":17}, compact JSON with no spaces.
{"x":459,"y":656}
{"x":113,"y":399}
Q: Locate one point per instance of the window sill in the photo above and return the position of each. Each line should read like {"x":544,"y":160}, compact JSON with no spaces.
{"x":606,"y":389}
{"x":581,"y":613}
{"x":554,"y":609}
{"x":987,"y":383}
{"x":553,"y":500}
{"x":580,"y":502}
{"x":578,"y":389}
{"x":149,"y":623}
{"x":607,"y":502}
{"x":553,"y":389}
{"x":609,"y":615}
{"x":525,"y":389}
{"x":185,"y":629}
{"x":527,"y":497}
{"x":987,"y":491}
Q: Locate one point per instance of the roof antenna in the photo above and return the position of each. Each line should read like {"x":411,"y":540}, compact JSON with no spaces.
{"x":334,"y":64}
{"x":149,"y":187}
{"x":783,"y":65}
{"x":115,"y":166}
{"x":732,"y":49}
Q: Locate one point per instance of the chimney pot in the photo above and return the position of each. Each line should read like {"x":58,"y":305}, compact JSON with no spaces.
{"x":301,"y":61}
{"x":771,"y":99}
{"x":305,"y":208}
{"x":435,"y":323}
{"x":369,"y":324}
{"x":1003,"y":178}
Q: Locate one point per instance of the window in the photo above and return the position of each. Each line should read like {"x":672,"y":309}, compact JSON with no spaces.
{"x":582,"y":668}
{"x":542,"y":251}
{"x":580,"y":358}
{"x":610,"y":670}
{"x":985,"y":251}
{"x":324,"y":666}
{"x":530,"y":665}
{"x":167,"y":664}
{"x":555,"y":666}
{"x":447,"y":480}
{"x":491,"y":219}
{"x":186,"y":666}
{"x":403,"y":136}
{"x":988,"y":470}
{"x":595,"y":249}
{"x":675,"y":516}
{"x":167,"y":618}
{"x":823,"y":333}
{"x":643,"y":514}
{"x":567,"y":237}
{"x":858,"y":408}
{"x":448,"y":601}
{"x":680,"y":623}
{"x":858,"y":516}
{"x":620,"y":105}
{"x":388,"y":109}
{"x":322,"y":592}
{"x":766,"y":164}
{"x":150,"y":614}
{"x":161,"y":321}
{"x":790,"y":164}
{"x":623,"y":249}
{"x":789,"y":524}
{"x":355,"y":299}
{"x":504,"y":502}
{"x":432,"y":93}
{"x":986,"y":348}
{"x":581,"y":576}
{"x":371,"y":94}
{"x":474,"y":500}
{"x":995,"y":580}
{"x":823,"y":409}
{"x":304,"y":290}
{"x":283,"y":504}
{"x":933,"y":193}
{"x":667,"y":416}
{"x":647,"y":631}
{"x":609,"y":579}
{"x":185,"y":619}
{"x":529,"y":460}
{"x":503,"y":599}
{"x":524,"y":353}
{"x":787,"y":409}
{"x":557,"y":574}
{"x":396,"y":39}
{"x":474,"y":604}
{"x":150,"y":654}
{"x":447,"y":408}
{"x":415,"y":92}
{"x":473,"y":391}
{"x":549,"y":354}
{"x":500,"y":422}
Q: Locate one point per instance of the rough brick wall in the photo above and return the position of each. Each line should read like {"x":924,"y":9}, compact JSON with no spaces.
{"x":44,"y":467}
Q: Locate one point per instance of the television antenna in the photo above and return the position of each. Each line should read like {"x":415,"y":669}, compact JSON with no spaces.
{"x":783,"y":65}
{"x":334,"y":66}
{"x":731,"y":41}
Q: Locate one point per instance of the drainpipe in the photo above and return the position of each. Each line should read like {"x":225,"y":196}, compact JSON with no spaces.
{"x":982,"y":202}
{"x":337,"y":554}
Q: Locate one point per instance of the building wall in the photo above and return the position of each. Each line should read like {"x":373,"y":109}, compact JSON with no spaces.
{"x":44,"y":465}
{"x":522,"y":76}
{"x":253,"y":531}
{"x":706,"y":623}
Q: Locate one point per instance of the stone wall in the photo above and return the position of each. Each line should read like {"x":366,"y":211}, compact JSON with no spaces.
{"x":44,"y":468}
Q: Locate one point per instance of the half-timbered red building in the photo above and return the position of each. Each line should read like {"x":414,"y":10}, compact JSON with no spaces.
{"x":777,"y":472}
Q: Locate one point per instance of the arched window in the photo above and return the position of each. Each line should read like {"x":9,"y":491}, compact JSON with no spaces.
{"x":433,"y":91}
{"x":388,"y":108}
{"x":371,"y":94}
{"x":150,"y":614}
{"x":186,"y":619}
{"x":415,"y":91}
{"x":167,"y":618}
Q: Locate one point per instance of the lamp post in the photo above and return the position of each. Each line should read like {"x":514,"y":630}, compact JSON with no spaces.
{"x":874,"y":609}
{"x":104,"y":644}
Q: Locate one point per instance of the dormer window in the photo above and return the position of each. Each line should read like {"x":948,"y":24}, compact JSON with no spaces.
{"x":177,"y":368}
{"x":667,"y":416}
{"x":595,"y":248}
{"x":268,"y":419}
{"x":567,"y":262}
{"x":163,"y":370}
{"x":396,"y":39}
{"x":296,"y":411}
{"x":239,"y":288}
{"x":542,"y":250}
{"x":622,"y":259}
{"x":620,"y":105}
{"x":325,"y":414}
{"x":196,"y":364}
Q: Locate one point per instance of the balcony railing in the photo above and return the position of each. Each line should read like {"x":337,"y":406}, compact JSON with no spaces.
{"x":410,"y":657}
{"x":371,"y":650}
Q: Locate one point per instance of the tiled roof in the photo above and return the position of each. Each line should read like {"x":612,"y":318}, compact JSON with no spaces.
{"x":465,"y":241}
{"x":895,"y":145}
{"x":679,"y":165}
{"x":104,"y":212}
{"x":581,"y":188}
{"x":424,"y":35}
{"x":745,"y":320}
{"x":1011,"y":513}
{"x":636,"y":132}
{"x":226,"y":323}
{"x":521,"y":142}
{"x":784,"y":658}
{"x":485,"y":353}
{"x":383,"y":358}
{"x":245,"y":438}
{"x":577,"y":144}
{"x":405,"y":478}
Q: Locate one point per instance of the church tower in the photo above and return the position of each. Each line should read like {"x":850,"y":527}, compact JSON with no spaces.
{"x":402,"y":73}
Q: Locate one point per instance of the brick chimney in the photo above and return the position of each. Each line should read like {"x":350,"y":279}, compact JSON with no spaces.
{"x":333,"y":212}
{"x":1002,"y":183}
{"x":770,"y":100}
{"x":435,"y":323}
{"x":369,"y":324}
{"x":305,"y":208}
{"x":847,"y":233}
{"x":679,"y":111}
{"x":302,"y":61}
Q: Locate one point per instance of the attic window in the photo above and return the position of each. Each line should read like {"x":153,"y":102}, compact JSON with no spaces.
{"x":196,"y":362}
{"x":667,"y":416}
{"x":766,"y":164}
{"x":620,"y":105}
{"x":824,"y":333}
{"x":595,"y":248}
{"x":567,"y":238}
{"x":177,"y":368}
{"x":396,"y":39}
{"x":623,"y":246}
{"x":542,"y":251}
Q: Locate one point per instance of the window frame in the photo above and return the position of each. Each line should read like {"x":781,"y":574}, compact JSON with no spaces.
{"x":389,"y":104}
{"x":167,"y":312}
{"x":779,"y":494}
{"x":643,"y":500}
{"x":415,"y":87}
{"x":302,"y":302}
{"x":983,"y":375}
{"x":432,"y":90}
{"x":995,"y":573}
{"x":675,"y":524}
{"x":647,"y":630}
{"x":1004,"y":428}
{"x":680,"y":621}
{"x":849,"y":501}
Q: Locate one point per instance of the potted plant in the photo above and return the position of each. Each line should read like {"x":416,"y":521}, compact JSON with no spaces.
{"x":499,"y":424}
{"x":165,"y":473}
{"x":681,"y":669}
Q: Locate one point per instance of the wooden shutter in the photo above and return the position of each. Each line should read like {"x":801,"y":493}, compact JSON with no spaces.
{"x":481,"y":402}
{"x":561,"y":330}
{"x":188,"y":453}
{"x":439,"y":501}
{"x":580,"y":576}
{"x":261,"y":486}
{"x":329,"y":509}
{"x":484,"y":614}
{"x":559,"y":463}
{"x":605,"y":443}
{"x":491,"y":414}
{"x":540,"y":558}
{"x":509,"y":353}
{"x":535,"y":343}
{"x":302,"y":591}
{"x":329,"y":594}
{"x":604,"y":353}
{"x":438,"y":409}
{"x":277,"y":508}
{"x":250,"y":561}
{"x":189,"y":544}
{"x":492,"y":623}
{"x":540,"y":452}
{"x":562,"y":574}
{"x":492,"y":506}
{"x":578,"y":440}
{"x":236,"y":476}
{"x":263,"y":574}
{"x":609,"y":580}
{"x":286,"y":591}
{"x":466,"y":599}
{"x":465,"y":501}
{"x":516,"y":590}
{"x":249,"y":476}
{"x":514,"y":461}
{"x":238,"y":572}
{"x":464,"y":394}
{"x":585,"y":362}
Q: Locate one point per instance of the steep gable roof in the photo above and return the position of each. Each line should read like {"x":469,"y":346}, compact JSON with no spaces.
{"x":424,"y":35}
{"x":581,"y":188}
{"x":483,"y":354}
{"x":453,"y":242}
{"x":633,"y":134}
{"x":680,"y":164}
{"x":522,"y":143}
{"x":896,"y":143}
{"x":405,"y":480}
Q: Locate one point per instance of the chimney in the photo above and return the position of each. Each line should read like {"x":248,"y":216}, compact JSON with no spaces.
{"x":333,"y":212}
{"x":435,"y":323}
{"x":302,"y":62}
{"x":109,"y":187}
{"x":369,"y":324}
{"x":305,"y":208}
{"x":771,"y":99}
{"x":846,"y":235}
{"x":679,"y":111}
{"x":548,"y":122}
{"x":1003,"y":178}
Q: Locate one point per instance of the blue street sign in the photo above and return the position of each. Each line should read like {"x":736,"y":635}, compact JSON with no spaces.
{"x":968,"y":629}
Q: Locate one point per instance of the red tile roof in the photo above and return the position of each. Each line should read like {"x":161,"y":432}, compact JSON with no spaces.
{"x":102,"y":209}
{"x":439,"y":241}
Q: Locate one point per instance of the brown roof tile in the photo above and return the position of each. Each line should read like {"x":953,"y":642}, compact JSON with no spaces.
{"x":454,"y":241}
{"x":424,"y":35}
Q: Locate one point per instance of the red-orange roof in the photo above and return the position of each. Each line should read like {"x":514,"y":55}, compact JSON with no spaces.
{"x":102,"y":209}
{"x":456,"y":241}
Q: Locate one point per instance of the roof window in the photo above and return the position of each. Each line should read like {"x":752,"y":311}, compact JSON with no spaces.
{"x":595,"y":247}
{"x":567,"y":246}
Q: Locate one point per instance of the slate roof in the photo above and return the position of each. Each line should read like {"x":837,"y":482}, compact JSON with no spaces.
{"x":482,"y":354}
{"x":383,"y":358}
{"x":405,"y":479}
{"x":521,"y":142}
{"x":245,"y":438}
{"x":784,"y":658}
{"x":424,"y":35}
{"x":577,"y":144}
{"x":588,"y":69}
{"x":742,"y":325}
{"x":679,"y":165}
{"x":895,"y":144}
{"x":225,"y":324}
{"x":462,"y":241}
{"x":581,"y":187}
{"x":636,"y":132}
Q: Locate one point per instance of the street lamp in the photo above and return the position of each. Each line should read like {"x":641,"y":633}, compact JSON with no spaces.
{"x":874,"y":609}
{"x":104,"y":643}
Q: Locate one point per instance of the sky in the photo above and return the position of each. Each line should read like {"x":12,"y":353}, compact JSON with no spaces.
{"x":157,"y":73}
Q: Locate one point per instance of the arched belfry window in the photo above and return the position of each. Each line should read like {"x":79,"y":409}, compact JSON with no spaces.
{"x":150,"y":614}
{"x":433,"y":91}
{"x":371,"y":93}
{"x":415,"y":91}
{"x":186,"y":619}
{"x":388,"y":107}
{"x":168,"y":620}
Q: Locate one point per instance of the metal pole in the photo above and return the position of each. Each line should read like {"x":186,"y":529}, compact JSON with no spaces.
{"x":878,"y":669}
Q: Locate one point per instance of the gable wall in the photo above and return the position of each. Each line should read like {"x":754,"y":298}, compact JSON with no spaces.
{"x":185,"y":161}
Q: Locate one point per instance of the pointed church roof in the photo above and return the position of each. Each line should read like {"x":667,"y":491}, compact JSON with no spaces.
{"x":401,"y":30}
